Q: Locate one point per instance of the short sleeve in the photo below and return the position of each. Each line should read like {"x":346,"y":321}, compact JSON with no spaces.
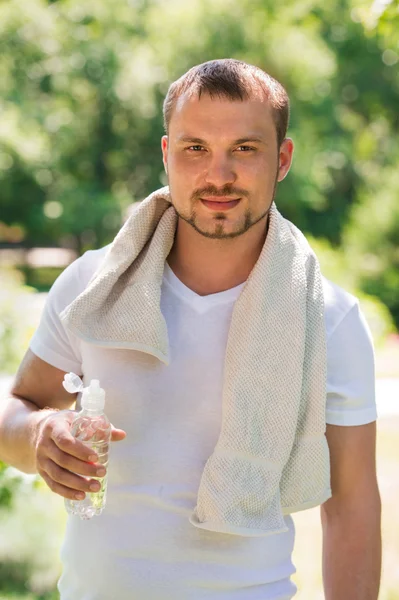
{"x":51,"y":342}
{"x":351,"y":372}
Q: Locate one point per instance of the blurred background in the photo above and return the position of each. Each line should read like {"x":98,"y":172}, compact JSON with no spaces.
{"x":81,"y":91}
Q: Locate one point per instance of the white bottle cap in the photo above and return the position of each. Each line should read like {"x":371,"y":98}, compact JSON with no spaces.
{"x":72,"y":383}
{"x":93,"y":397}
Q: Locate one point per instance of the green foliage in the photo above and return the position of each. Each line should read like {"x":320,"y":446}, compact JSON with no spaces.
{"x":14,"y":576}
{"x":12,"y":595}
{"x":82,"y":86}
{"x":344,"y":270}
{"x":81,"y":91}
{"x":8,"y":485}
{"x":40,"y":278}
{"x":17,"y":320}
{"x":371,"y":238}
{"x":19,"y":316}
{"x":30,"y":535}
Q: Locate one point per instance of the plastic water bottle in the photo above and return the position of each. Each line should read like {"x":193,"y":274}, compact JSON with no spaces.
{"x":92,"y":427}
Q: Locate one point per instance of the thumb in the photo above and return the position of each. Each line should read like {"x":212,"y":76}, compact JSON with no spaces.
{"x":117,"y":434}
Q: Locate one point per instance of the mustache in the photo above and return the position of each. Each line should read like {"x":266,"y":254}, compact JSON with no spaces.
{"x":227,"y":190}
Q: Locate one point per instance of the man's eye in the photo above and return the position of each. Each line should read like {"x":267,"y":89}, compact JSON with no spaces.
{"x":245,"y":148}
{"x":195,"y":148}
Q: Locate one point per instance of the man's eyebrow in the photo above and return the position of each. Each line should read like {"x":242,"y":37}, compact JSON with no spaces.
{"x":252,"y":139}
{"x":193,"y":140}
{"x":243,"y":140}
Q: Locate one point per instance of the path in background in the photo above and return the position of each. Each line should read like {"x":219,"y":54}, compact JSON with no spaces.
{"x":387,"y":393}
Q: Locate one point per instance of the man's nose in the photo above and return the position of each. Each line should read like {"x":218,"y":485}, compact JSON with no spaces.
{"x":220,"y":171}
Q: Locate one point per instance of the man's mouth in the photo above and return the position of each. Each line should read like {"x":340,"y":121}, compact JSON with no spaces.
{"x":219,"y":203}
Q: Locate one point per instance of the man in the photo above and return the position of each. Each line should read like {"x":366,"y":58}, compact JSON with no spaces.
{"x":224,"y":153}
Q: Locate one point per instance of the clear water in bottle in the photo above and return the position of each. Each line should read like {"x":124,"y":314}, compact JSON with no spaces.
{"x":94,"y":429}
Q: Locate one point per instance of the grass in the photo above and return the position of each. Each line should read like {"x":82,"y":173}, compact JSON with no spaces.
{"x":30,"y":538}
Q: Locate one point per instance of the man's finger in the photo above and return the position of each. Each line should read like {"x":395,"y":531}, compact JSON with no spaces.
{"x":68,"y":479}
{"x":67,"y":443}
{"x":117,"y":435}
{"x":62,"y":490}
{"x":70,"y":463}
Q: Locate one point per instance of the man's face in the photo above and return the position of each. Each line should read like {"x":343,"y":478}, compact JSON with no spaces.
{"x":223,"y":163}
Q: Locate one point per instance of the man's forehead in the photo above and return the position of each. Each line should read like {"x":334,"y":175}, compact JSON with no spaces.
{"x":218,"y":112}
{"x":190,"y":100}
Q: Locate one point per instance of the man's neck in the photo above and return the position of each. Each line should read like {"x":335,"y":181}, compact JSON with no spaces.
{"x":208,"y":266}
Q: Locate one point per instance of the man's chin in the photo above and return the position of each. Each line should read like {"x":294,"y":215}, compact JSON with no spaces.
{"x":219,"y":226}
{"x":218,"y":230}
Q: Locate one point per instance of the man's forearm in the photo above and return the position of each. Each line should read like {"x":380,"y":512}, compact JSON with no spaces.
{"x":352,"y":551}
{"x":19,"y":421}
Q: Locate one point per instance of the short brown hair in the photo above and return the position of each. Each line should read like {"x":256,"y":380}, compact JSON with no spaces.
{"x":235,"y":80}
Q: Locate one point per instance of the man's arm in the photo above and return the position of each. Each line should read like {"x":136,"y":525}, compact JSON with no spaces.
{"x":351,"y":517}
{"x":35,"y":437}
{"x":36,"y":394}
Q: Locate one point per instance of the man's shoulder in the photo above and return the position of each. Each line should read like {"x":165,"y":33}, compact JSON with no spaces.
{"x":88,"y":263}
{"x":338,"y":303}
{"x":75,"y":278}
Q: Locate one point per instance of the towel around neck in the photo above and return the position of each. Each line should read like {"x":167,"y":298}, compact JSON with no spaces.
{"x":272,"y":456}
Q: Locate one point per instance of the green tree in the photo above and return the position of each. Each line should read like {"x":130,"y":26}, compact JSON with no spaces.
{"x":82,"y":88}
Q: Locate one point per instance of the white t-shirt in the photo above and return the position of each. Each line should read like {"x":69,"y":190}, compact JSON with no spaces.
{"x":143,"y":546}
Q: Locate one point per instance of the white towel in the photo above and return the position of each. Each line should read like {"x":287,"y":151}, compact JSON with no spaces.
{"x":271,"y":457}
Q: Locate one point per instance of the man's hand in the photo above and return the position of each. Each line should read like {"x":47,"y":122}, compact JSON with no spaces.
{"x":67,"y":465}
{"x":35,"y":423}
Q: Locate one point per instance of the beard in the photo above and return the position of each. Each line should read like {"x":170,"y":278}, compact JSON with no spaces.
{"x":218,"y":232}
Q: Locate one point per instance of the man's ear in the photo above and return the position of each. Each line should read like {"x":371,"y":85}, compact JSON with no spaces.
{"x":285,"y":158}
{"x":164,"y":146}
